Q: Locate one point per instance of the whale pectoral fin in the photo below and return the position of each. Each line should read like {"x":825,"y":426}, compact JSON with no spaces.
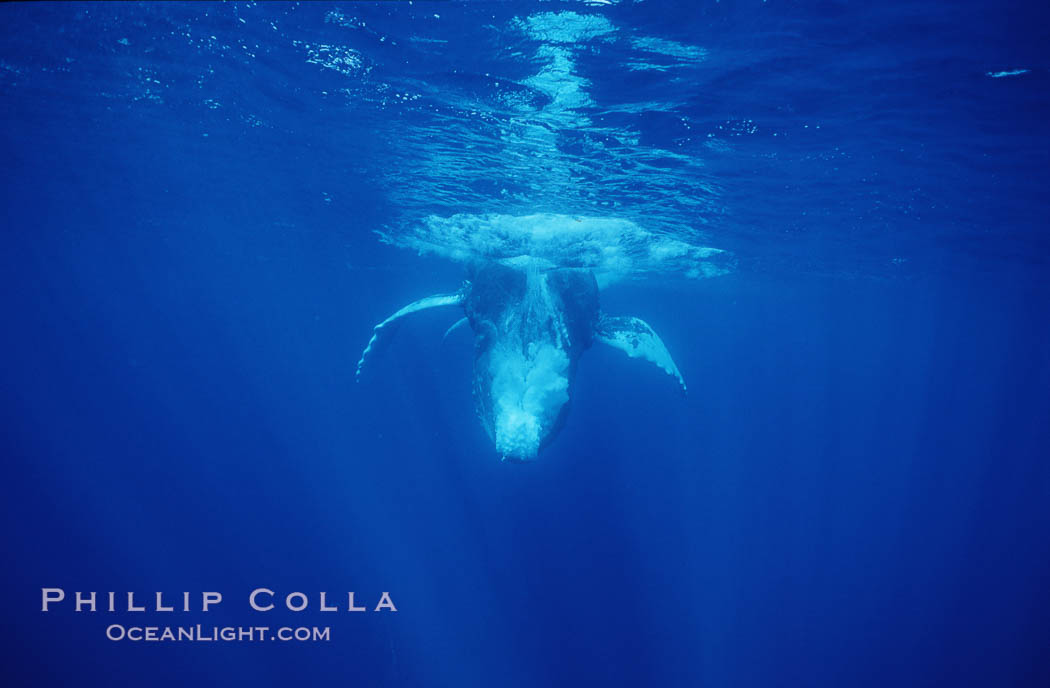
{"x":638,"y":340}
{"x":455,"y":326}
{"x":385,"y":326}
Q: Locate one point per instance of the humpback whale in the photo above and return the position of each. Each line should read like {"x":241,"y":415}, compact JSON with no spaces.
{"x":531,"y":323}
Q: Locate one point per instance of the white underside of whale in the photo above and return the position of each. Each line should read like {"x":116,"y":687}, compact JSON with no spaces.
{"x":529,"y":387}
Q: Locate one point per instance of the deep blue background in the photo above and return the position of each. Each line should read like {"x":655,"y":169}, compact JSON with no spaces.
{"x":855,"y":492}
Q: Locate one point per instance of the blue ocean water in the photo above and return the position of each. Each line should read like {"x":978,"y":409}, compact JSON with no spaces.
{"x":855,"y":492}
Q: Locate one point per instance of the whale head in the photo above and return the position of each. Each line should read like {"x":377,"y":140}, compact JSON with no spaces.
{"x":531,"y":326}
{"x":531,"y":298}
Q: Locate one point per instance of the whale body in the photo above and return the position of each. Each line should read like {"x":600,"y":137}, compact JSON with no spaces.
{"x":531,"y":325}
